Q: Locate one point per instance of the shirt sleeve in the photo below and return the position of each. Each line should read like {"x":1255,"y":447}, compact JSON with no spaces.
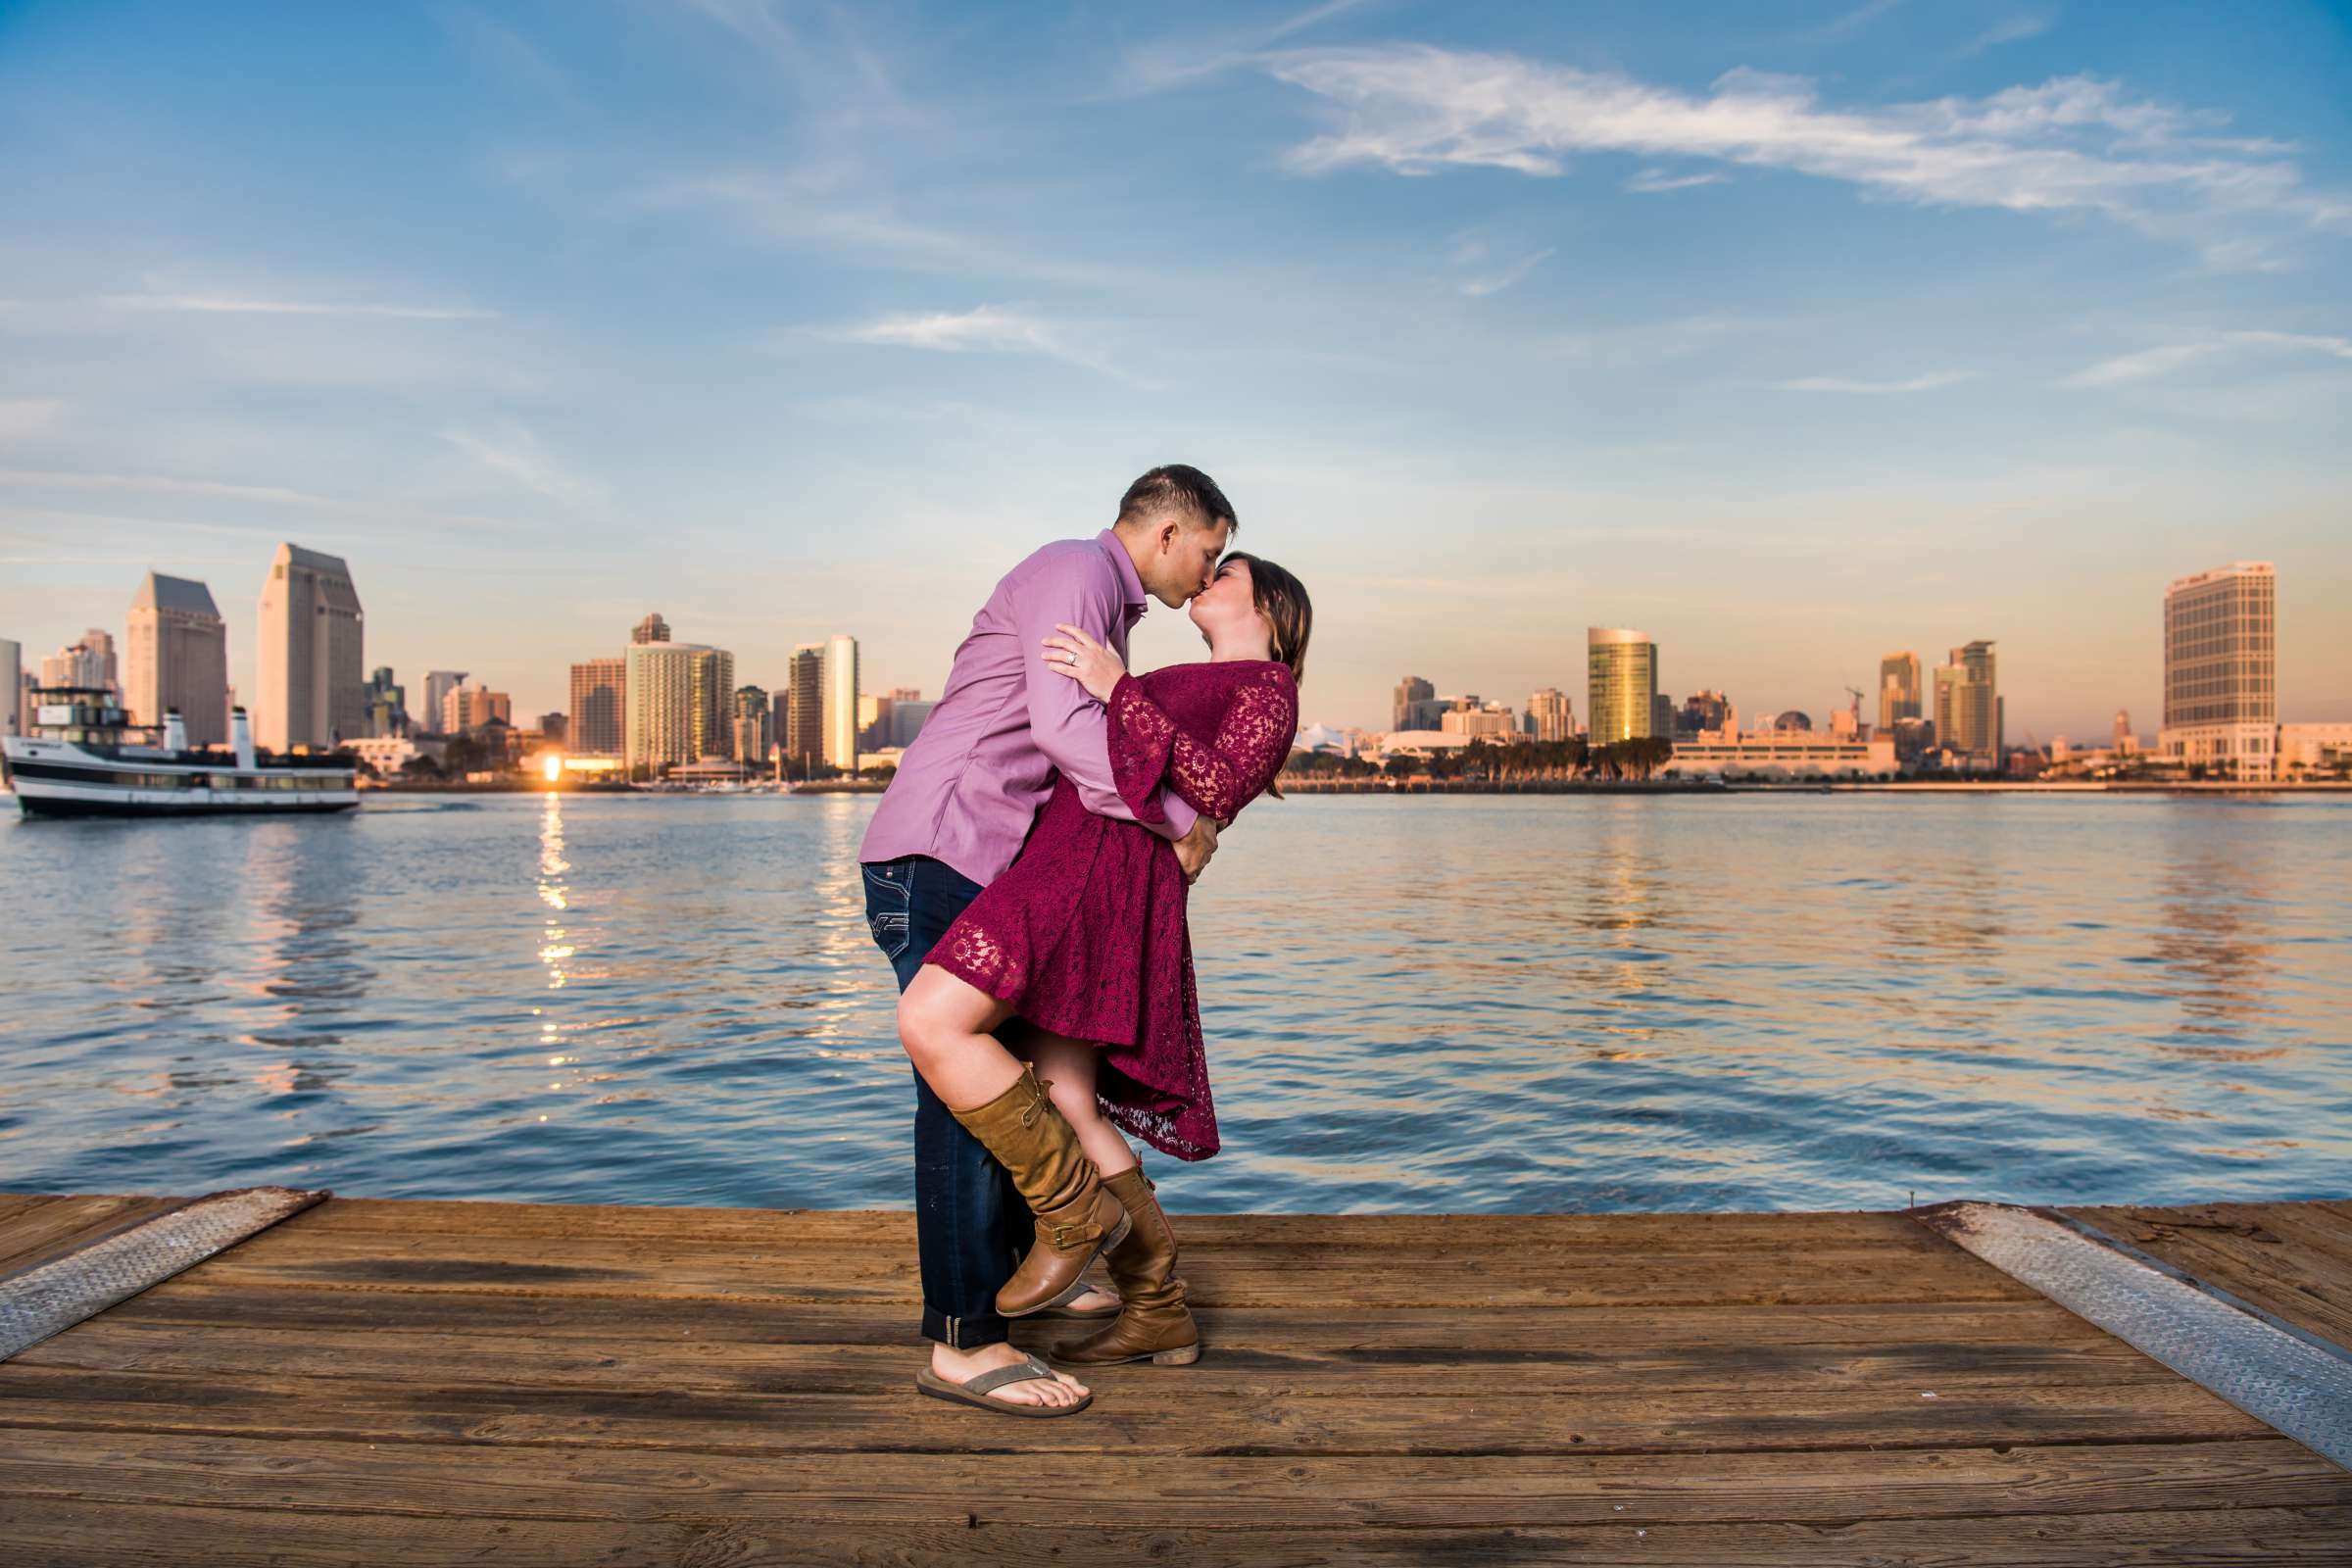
{"x":1252,"y":742}
{"x":1066,"y":722}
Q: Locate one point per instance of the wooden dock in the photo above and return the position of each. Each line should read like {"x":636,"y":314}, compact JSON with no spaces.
{"x":415,"y":1382}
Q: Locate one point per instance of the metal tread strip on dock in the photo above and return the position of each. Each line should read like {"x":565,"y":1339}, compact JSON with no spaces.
{"x":2295,"y":1385}
{"x":41,"y":1301}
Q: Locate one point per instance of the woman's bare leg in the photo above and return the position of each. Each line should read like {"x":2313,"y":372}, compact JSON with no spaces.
{"x":944,"y":1023}
{"x":1069,"y":1065}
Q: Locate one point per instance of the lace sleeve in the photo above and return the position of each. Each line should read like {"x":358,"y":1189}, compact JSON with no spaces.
{"x":1253,"y":741}
{"x":1141,"y":737}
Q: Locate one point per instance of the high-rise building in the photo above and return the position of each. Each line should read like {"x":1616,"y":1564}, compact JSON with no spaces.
{"x":2126,"y":743}
{"x":804,"y":704}
{"x":1492,"y":720}
{"x":89,"y":663}
{"x":652,"y":629}
{"x":12,"y":687}
{"x":715,"y":702}
{"x":308,"y":657}
{"x":1661,"y":714}
{"x":598,"y":702}
{"x":753,"y":732}
{"x":387,"y":703}
{"x":1412,"y":691}
{"x":841,"y":702}
{"x":2221,"y":672}
{"x":178,"y":658}
{"x":907,"y":717}
{"x":1551,"y":716}
{"x":1704,"y":712}
{"x":470,"y":710}
{"x":555,"y":728}
{"x":1968,"y":712}
{"x":1621,"y":683}
{"x":438,"y":684}
{"x":678,"y":704}
{"x":1898,"y":689}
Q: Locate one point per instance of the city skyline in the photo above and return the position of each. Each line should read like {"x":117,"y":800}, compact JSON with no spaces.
{"x":1495,"y":326}
{"x":1967,"y":709}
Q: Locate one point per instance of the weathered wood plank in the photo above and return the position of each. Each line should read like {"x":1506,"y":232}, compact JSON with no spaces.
{"x":663,"y":1270}
{"x":1196,"y":1493}
{"x":47,"y":1531}
{"x":1144,"y":1410}
{"x":190,"y":1299}
{"x":1232,"y":1366}
{"x":895,"y":1228}
{"x":2303,"y":1283}
{"x":44,"y":1232}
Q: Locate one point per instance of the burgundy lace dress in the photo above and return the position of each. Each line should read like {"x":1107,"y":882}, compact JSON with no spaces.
{"x":1085,"y":933}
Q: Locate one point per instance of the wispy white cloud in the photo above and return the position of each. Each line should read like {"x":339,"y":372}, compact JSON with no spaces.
{"x":1496,"y":283}
{"x":164,"y":484}
{"x":1651,"y":182}
{"x":2070,"y":144}
{"x":2164,"y":358}
{"x":2015,"y":29}
{"x":984,"y":330}
{"x":517,"y":455}
{"x":229,"y":305}
{"x":804,"y":211}
{"x":1838,"y":383}
{"x":1648,"y":342}
{"x":821,"y":53}
{"x":1173,"y":62}
{"x":22,"y":417}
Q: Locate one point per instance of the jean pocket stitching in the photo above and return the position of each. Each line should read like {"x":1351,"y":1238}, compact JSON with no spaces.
{"x":889,"y":924}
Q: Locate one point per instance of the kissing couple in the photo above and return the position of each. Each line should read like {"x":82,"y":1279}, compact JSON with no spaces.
{"x":1026,"y":874}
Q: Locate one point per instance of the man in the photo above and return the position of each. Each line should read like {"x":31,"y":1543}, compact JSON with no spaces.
{"x":954,"y":817}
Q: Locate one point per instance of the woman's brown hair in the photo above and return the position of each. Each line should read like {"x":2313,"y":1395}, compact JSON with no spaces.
{"x":1282,"y":599}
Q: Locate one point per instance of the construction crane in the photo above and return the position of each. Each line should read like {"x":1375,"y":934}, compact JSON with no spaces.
{"x":1857,"y":707}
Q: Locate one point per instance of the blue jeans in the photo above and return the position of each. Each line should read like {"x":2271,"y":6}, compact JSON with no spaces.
{"x":971,"y":1226}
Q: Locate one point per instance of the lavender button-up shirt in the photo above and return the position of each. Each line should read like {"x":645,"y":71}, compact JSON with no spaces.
{"x":972,"y":781}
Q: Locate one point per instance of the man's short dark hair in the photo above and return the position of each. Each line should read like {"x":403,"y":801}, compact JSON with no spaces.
{"x":1177,"y":487}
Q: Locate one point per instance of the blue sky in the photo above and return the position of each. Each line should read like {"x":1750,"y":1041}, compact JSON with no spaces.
{"x":1791,"y":335}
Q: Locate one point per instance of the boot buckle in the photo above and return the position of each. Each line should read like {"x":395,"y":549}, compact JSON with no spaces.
{"x":1086,"y":1231}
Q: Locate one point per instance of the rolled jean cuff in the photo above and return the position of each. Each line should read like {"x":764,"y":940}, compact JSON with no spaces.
{"x":964,"y":1333}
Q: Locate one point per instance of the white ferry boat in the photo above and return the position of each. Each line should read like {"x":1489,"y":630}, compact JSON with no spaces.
{"x":85,"y":758}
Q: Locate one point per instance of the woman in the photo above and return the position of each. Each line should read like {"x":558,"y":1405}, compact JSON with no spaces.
{"x":1083,"y":939}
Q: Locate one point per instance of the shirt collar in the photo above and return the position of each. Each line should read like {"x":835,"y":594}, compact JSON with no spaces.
{"x":1130,"y":580}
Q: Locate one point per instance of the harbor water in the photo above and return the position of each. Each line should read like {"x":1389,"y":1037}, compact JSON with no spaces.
{"x":1494,"y":1003}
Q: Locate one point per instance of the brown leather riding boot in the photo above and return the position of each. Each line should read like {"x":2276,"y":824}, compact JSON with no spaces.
{"x":1077,"y":1217}
{"x":1154,"y":1325}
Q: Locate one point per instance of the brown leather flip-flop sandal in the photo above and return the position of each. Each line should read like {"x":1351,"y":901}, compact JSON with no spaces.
{"x":977,"y":1390}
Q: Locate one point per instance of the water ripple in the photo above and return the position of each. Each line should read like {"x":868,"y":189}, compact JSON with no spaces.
{"x":1427,"y":1005}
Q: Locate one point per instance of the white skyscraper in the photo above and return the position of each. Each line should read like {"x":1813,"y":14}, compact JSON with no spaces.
{"x":438,"y":684}
{"x":312,"y":691}
{"x":840,"y":682}
{"x":2221,"y":670}
{"x":677,"y":705}
{"x":178,"y":658}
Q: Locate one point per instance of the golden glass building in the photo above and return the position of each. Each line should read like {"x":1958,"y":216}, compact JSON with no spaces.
{"x":1898,"y":690}
{"x":1621,"y":684}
